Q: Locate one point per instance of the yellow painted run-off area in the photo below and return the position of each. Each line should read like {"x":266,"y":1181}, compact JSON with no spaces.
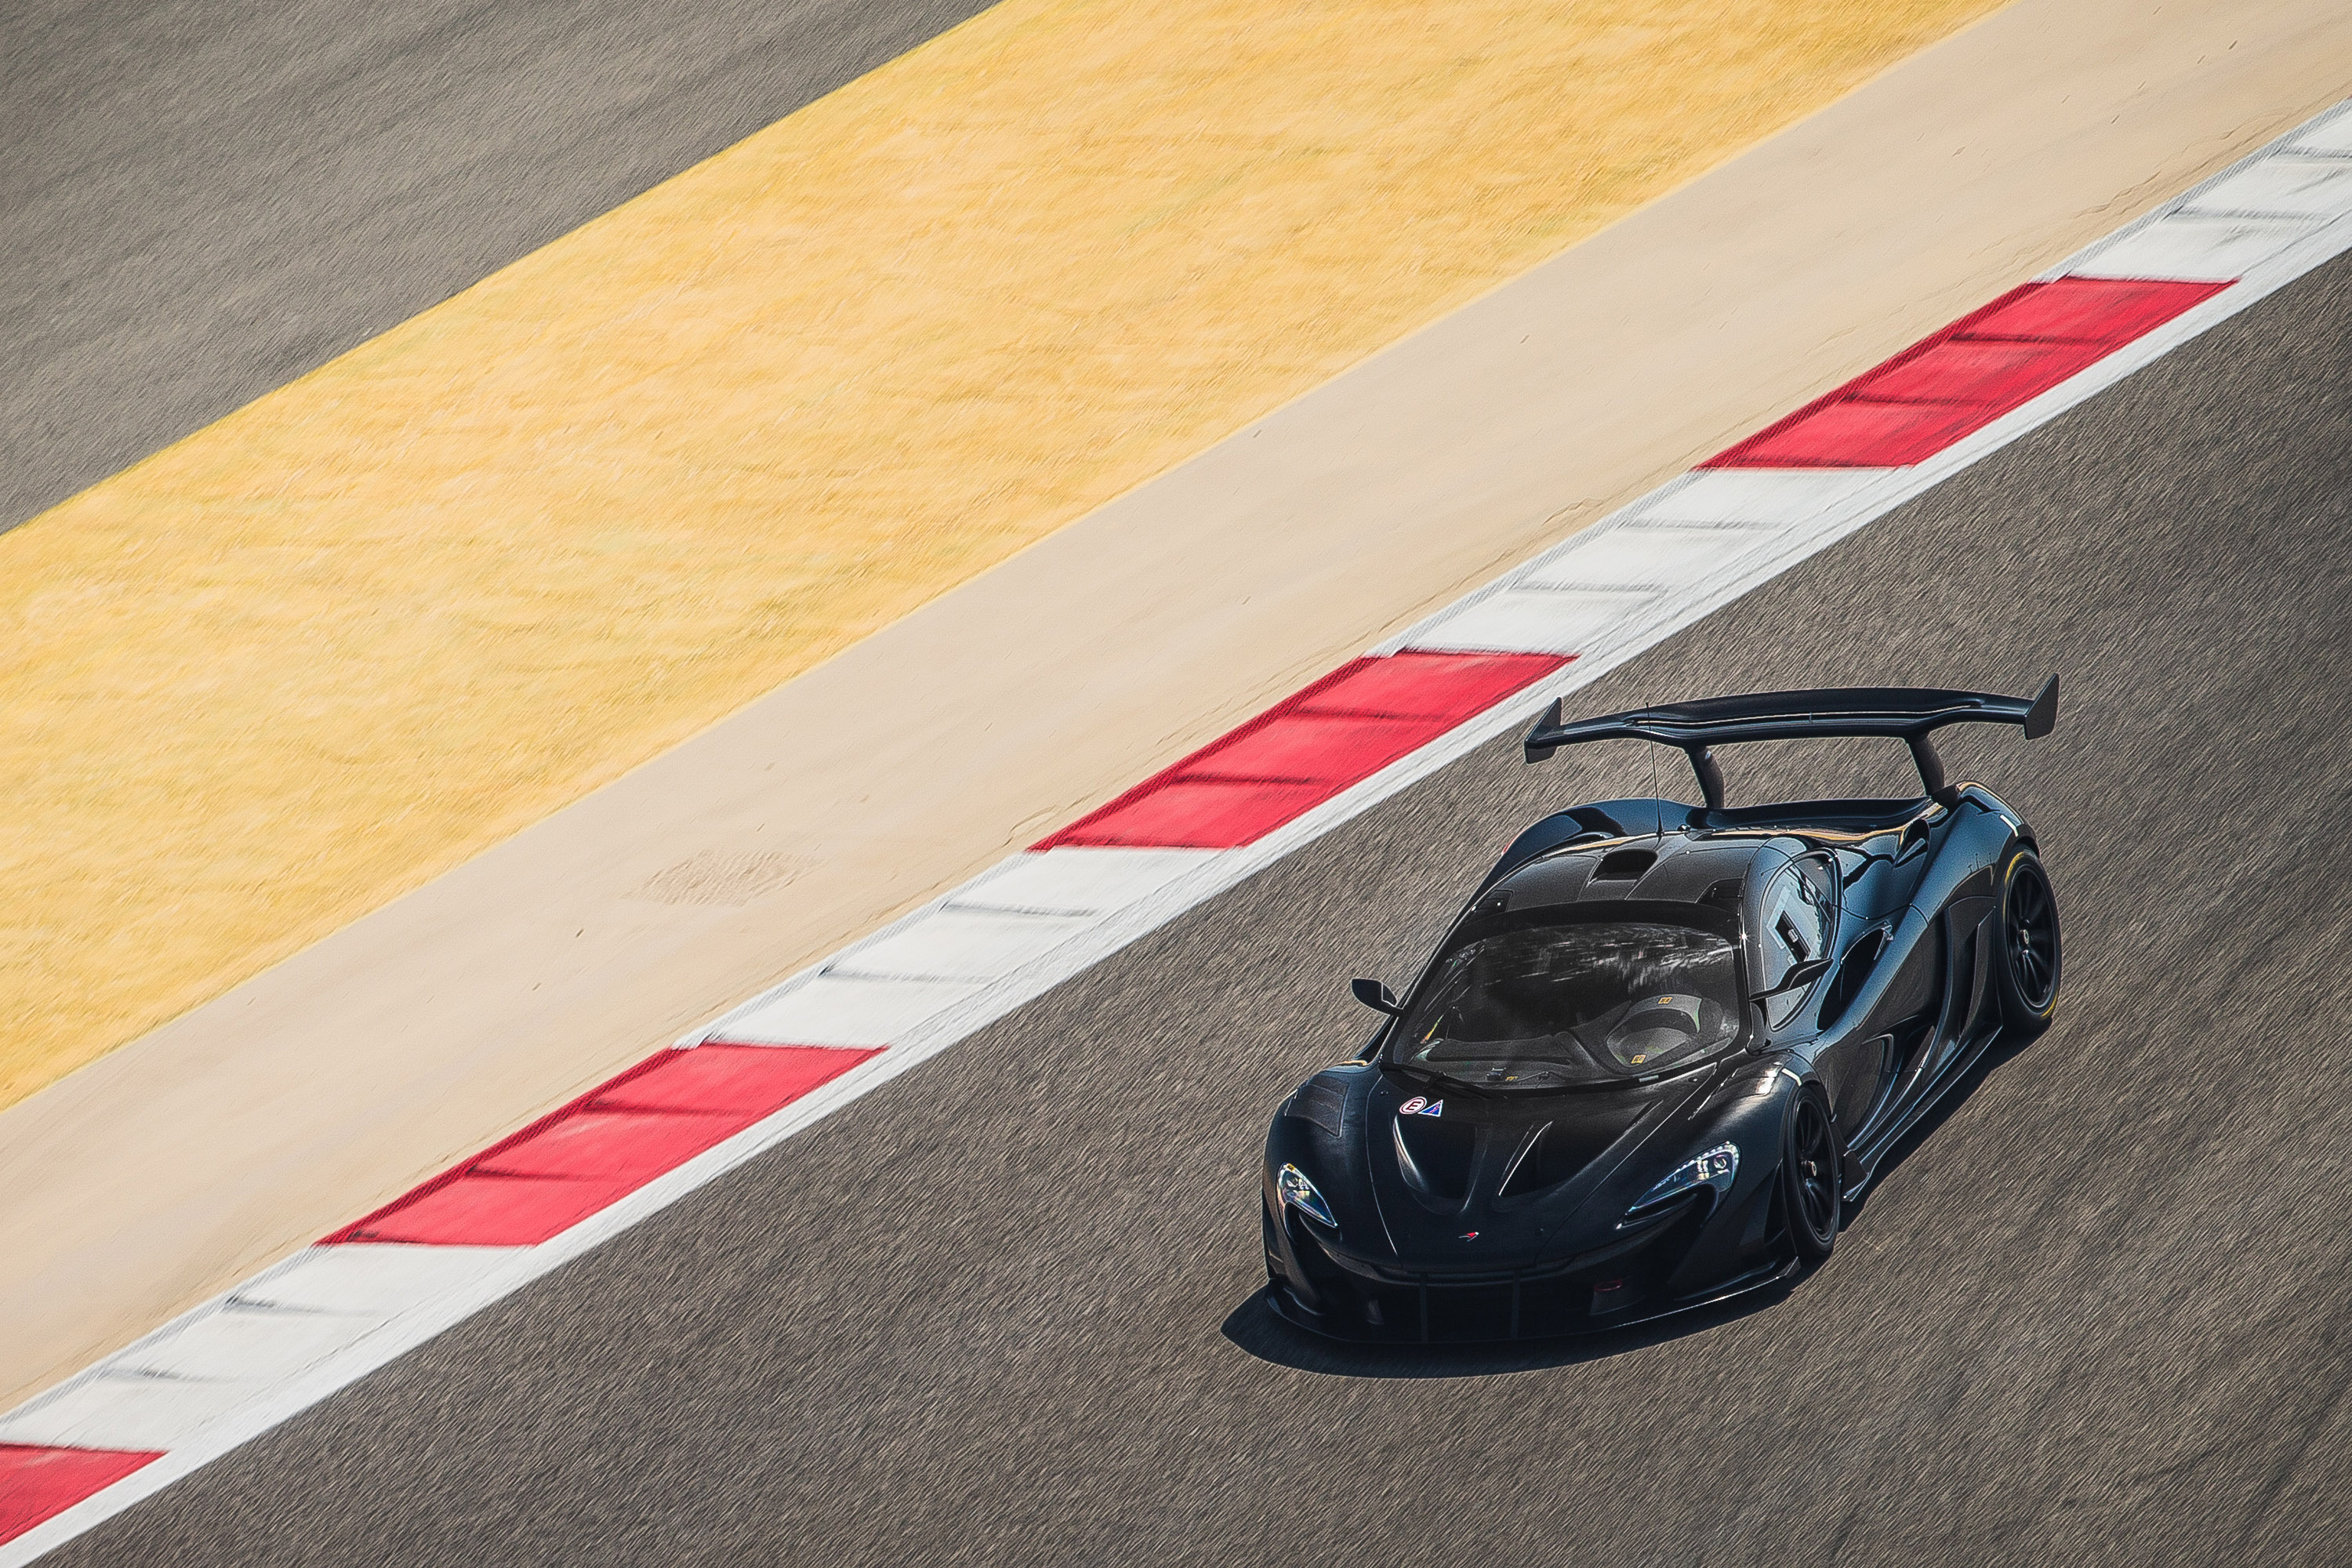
{"x":334,"y":644}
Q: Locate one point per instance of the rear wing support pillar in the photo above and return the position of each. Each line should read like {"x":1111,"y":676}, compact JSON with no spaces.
{"x":1710,"y":775}
{"x":1931,"y":770}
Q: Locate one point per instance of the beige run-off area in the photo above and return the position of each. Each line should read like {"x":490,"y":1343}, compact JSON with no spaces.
{"x":345,"y":639}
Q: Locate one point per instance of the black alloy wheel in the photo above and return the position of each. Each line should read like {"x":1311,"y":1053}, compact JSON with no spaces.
{"x":2029,"y":941}
{"x":1813,"y":1173}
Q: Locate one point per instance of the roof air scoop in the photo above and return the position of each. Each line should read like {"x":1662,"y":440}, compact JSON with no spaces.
{"x":1625,"y":865}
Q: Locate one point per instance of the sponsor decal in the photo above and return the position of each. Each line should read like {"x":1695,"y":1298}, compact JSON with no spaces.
{"x":1421,"y":1105}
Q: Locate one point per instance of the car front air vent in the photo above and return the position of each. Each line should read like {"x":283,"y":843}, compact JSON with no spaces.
{"x":1323,"y":1101}
{"x":1625,"y":865}
{"x":1566,"y":1147}
{"x":1435,"y":1155}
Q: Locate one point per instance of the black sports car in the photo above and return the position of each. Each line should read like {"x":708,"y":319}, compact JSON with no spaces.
{"x":1664,"y":1045}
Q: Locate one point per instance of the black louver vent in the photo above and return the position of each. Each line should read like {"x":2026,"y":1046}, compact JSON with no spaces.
{"x":1321,"y":1100}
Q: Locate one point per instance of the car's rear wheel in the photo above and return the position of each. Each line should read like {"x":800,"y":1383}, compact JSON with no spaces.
{"x":1812,"y":1175}
{"x":2029,"y":945}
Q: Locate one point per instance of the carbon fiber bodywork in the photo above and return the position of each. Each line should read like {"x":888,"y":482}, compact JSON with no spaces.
{"x":1517,"y":1214}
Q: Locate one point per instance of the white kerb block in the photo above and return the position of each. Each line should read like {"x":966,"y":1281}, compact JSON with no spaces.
{"x":845,"y":1010}
{"x":2294,"y":187}
{"x":961,"y":944}
{"x":1656,"y":556}
{"x":124,"y":1410}
{"x":1078,"y":881}
{"x":247,"y":1344}
{"x":1756,"y":495}
{"x":1532,"y":620}
{"x":2196,"y":249}
{"x":377,"y":1280}
{"x":2334,"y":136}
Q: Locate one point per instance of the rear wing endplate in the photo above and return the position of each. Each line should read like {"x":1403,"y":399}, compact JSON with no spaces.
{"x":1907,"y":713}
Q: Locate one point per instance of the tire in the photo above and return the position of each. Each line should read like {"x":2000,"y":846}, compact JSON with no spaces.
{"x":2028,"y":971}
{"x":1812,"y":1175}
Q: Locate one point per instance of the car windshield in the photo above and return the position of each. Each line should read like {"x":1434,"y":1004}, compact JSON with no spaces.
{"x":1559,"y":1006}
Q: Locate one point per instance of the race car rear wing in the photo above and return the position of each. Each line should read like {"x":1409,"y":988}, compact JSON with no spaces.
{"x":1908,"y":713}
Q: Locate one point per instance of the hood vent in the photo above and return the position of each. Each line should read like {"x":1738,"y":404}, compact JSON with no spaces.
{"x":1436,"y":1155}
{"x":1625,"y":865}
{"x":1561,"y":1151}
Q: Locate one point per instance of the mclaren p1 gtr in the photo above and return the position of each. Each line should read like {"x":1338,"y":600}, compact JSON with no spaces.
{"x":1664,"y":1047}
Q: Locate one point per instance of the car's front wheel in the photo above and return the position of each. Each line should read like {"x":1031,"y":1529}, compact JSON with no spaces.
{"x":1813,"y":1176}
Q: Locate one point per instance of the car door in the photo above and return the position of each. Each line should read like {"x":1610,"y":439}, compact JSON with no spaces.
{"x":1801,"y":920}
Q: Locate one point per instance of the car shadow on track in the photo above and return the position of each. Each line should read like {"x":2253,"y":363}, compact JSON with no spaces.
{"x":1254,"y":1327}
{"x":2001,"y":1053}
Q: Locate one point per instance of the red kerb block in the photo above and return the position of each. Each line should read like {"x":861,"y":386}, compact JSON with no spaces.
{"x":1953,"y":384}
{"x":1851,"y":434}
{"x":37,"y":1482}
{"x":1446,"y":688}
{"x":1306,"y":749}
{"x":1309,"y":746}
{"x":1978,"y":371}
{"x":482,"y":1210}
{"x":603,"y":1146}
{"x":751,"y":1080}
{"x":2108,"y":310}
{"x":1194,"y":814}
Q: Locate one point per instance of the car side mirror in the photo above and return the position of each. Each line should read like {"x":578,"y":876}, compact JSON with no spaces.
{"x":1799,"y":976}
{"x":1376,"y":996}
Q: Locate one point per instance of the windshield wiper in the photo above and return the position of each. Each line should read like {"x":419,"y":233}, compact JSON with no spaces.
{"x":1483,"y":1085}
{"x":1423,"y":1076}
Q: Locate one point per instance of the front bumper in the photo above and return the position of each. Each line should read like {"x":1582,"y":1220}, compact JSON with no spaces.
{"x":1678,"y":1264}
{"x":1470,"y":1314}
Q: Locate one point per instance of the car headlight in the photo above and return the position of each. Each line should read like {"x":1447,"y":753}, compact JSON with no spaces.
{"x":1298,"y":1193}
{"x":1713,"y":1169}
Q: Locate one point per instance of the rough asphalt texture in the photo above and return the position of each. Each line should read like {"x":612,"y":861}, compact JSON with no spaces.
{"x":202,"y":199}
{"x":1000,"y":1311}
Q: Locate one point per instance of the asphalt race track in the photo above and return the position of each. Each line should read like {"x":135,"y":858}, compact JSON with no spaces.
{"x":206,"y":199}
{"x":1000,"y":1312}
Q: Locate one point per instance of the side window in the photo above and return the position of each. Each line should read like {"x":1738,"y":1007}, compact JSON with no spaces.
{"x":1800,"y":904}
{"x":1820,"y":875}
